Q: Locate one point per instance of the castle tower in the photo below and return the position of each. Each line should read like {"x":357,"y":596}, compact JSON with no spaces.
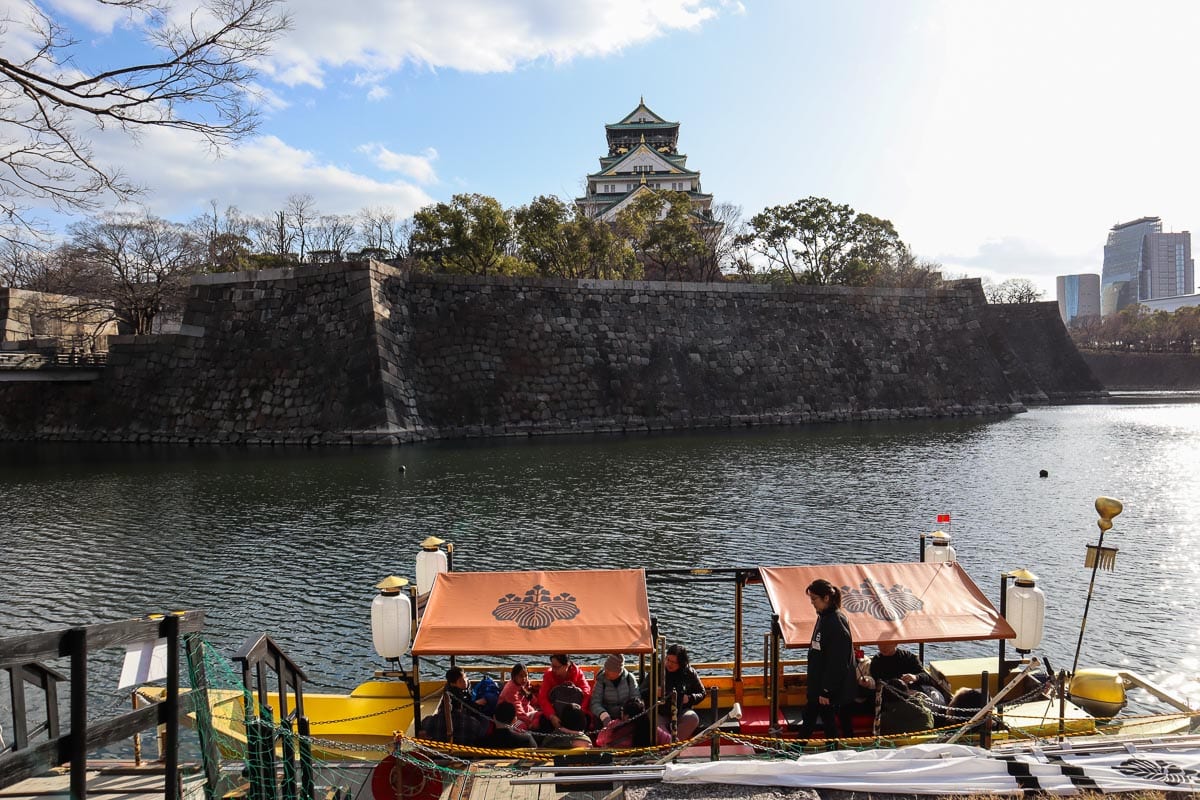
{"x":642,"y":156}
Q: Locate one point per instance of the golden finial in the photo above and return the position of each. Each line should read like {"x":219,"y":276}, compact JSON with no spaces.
{"x":1107,"y":508}
{"x":643,"y":138}
{"x":392,"y":584}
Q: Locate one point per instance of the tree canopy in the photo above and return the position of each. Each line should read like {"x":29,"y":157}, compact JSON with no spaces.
{"x":818,"y":242}
{"x":1013,"y":290}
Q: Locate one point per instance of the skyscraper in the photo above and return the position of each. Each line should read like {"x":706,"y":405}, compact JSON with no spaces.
{"x":1123,"y":262}
{"x":1078,"y":296}
{"x":1143,"y":263}
{"x":1167,"y":266}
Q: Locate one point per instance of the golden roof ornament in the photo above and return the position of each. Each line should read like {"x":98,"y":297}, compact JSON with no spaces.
{"x":391,"y":584}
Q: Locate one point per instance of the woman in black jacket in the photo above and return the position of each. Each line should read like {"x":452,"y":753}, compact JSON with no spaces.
{"x":831,"y":675}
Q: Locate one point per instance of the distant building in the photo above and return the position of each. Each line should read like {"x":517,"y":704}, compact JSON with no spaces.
{"x":1078,"y":296}
{"x":642,"y":156}
{"x":1143,"y":263}
{"x":1167,"y":266}
{"x":1170,"y":304}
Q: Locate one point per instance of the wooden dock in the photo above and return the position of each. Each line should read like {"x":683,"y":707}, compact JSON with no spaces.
{"x":116,"y":781}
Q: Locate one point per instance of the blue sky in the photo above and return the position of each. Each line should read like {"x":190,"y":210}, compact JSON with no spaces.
{"x":1002,"y":139}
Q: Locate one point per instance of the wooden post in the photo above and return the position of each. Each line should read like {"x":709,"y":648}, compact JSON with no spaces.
{"x":307,"y":785}
{"x":170,"y":626}
{"x":210,"y":757}
{"x":78,"y":648}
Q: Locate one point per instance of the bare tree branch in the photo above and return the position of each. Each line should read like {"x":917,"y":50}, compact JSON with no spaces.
{"x":199,"y":85}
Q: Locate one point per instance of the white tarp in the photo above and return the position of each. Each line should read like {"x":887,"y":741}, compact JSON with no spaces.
{"x":958,"y":769}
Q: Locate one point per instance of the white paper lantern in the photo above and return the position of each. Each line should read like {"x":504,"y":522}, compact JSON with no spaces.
{"x":430,"y":562}
{"x":1025,"y":610}
{"x":391,"y":618}
{"x":940,"y":548}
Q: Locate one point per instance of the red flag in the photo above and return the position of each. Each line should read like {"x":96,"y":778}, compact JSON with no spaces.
{"x":943,"y":518}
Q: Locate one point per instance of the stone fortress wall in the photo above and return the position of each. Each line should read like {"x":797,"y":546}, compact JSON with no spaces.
{"x":365,"y":353}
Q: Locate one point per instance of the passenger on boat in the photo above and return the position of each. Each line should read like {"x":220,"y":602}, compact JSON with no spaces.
{"x":632,"y":729}
{"x":965,"y":704}
{"x":562,"y":672}
{"x":506,"y":735}
{"x":897,"y":663}
{"x":456,"y":718}
{"x":901,"y":709}
{"x":681,"y":677}
{"x":569,"y":733}
{"x":613,"y":687}
{"x":831,"y":669}
{"x":521,"y":695}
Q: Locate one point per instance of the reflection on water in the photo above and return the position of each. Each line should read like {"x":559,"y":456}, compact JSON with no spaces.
{"x":291,"y":542}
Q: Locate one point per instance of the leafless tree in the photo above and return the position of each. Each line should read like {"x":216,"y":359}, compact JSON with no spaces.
{"x":379,"y":229}
{"x":301,"y":211}
{"x":332,"y":237}
{"x":226,"y":237}
{"x":274,"y":238}
{"x":1013,"y":290}
{"x":720,"y":241}
{"x":141,"y":265}
{"x":198,"y":77}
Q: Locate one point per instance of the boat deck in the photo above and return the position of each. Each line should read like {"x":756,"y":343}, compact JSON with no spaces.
{"x":116,"y":780}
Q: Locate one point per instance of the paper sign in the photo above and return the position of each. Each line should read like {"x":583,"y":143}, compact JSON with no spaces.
{"x":144,"y":662}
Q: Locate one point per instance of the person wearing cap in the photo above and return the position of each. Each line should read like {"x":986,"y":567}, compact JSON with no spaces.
{"x":612,"y":689}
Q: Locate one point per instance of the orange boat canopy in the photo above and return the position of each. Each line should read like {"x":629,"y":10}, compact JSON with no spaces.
{"x":919,"y":602}
{"x":536,"y":612}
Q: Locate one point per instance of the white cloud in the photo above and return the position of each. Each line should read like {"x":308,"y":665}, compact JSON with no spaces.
{"x":382,"y":36}
{"x":419,"y":168}
{"x":1015,"y":257}
{"x":181,"y":175}
{"x":378,"y":93}
{"x":98,"y":17}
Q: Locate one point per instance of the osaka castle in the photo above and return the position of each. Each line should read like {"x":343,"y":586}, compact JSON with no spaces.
{"x":642,"y":156}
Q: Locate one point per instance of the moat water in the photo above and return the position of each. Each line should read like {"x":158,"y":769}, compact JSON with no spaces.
{"x":291,"y":541}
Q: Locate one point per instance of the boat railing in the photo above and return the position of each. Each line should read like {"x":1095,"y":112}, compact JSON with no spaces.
{"x":260,"y":657}
{"x":21,"y":657}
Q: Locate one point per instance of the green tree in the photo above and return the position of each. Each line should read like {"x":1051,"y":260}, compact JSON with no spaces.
{"x":664,"y":233}
{"x":470,"y":235}
{"x":818,"y":242}
{"x":561,"y":241}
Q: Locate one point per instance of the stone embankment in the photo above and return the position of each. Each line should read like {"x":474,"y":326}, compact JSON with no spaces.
{"x":366,"y":354}
{"x":1146,"y":371}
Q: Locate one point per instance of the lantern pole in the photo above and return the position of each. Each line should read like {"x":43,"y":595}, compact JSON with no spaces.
{"x":1107,"y":508}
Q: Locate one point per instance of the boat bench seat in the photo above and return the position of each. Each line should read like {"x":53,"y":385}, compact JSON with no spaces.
{"x":756,"y":720}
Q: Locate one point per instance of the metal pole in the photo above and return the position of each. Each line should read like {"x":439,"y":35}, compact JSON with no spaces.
{"x":1088,"y":603}
{"x":737,"y":640}
{"x":1002,"y":668}
{"x":775,"y":670}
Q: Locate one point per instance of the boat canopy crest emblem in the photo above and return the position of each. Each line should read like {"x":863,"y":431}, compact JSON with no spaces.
{"x":880,"y":602}
{"x":537,"y":609}
{"x":1161,"y":771}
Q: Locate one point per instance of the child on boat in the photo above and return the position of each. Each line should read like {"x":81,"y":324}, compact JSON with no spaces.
{"x":518,"y":691}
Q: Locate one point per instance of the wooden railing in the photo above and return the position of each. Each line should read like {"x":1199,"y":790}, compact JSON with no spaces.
{"x":21,"y":657}
{"x":259,"y":658}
